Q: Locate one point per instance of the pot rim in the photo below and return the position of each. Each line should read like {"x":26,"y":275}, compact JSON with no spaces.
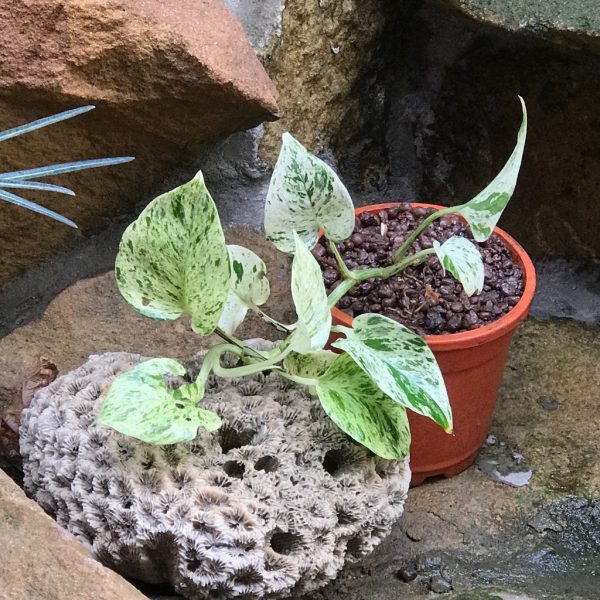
{"x":486,"y":333}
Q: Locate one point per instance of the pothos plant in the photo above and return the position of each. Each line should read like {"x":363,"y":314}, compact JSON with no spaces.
{"x":173,"y":261}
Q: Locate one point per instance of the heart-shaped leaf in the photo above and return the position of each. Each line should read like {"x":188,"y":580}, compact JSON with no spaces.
{"x":462,"y":258}
{"x":400,"y":364}
{"x":362,"y":411}
{"x":310,"y":297}
{"x":483,"y":211}
{"x":140,"y":403}
{"x":248,"y":286}
{"x":311,"y":365}
{"x":173,"y":260}
{"x":305,"y":195}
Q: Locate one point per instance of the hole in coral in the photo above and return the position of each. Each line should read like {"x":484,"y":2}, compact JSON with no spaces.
{"x":230,"y":438}
{"x":344,"y":517}
{"x":285,"y":542}
{"x":247,"y":576}
{"x":382,"y":473}
{"x":194,"y":565}
{"x":354,"y":547}
{"x":148,"y":461}
{"x":268,"y":464}
{"x":333,"y":461}
{"x":234,"y":468}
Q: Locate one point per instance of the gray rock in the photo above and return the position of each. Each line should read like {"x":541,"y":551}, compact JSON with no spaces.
{"x":278,"y":498}
{"x":439,"y":585}
{"x":548,"y":403}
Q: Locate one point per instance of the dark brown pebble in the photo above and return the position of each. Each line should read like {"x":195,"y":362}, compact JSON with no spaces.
{"x":330,"y":276}
{"x":385,"y":291}
{"x":454,"y":323}
{"x":357,"y":239}
{"x":318,"y":251}
{"x":407,"y":573}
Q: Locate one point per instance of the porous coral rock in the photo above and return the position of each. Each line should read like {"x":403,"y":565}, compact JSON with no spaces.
{"x":278,"y":498}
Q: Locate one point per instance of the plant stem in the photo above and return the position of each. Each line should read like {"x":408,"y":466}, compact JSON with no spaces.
{"x":420,"y":229}
{"x":301,"y":380}
{"x":382,"y":272}
{"x":230,"y":339}
{"x":340,"y":291}
{"x":342,"y":267}
{"x":212,"y":359}
{"x":265,"y":317}
{"x":244,"y":370}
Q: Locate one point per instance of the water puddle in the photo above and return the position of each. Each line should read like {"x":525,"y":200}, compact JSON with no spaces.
{"x":503,"y":464}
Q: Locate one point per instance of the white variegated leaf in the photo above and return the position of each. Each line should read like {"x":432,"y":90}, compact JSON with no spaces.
{"x":363,"y":411}
{"x":463,"y":259}
{"x":141,"y":404}
{"x":311,"y":365}
{"x":248,"y":286}
{"x":305,"y":195}
{"x":310,"y":297}
{"x":173,"y":260}
{"x":400,"y":364}
{"x":483,"y":211}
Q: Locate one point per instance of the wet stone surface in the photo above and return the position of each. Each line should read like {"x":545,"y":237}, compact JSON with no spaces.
{"x":423,"y":298}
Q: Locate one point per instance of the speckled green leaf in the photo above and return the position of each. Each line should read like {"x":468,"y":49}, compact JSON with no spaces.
{"x":311,"y":365}
{"x":362,"y":411}
{"x":462,"y":258}
{"x":248,"y":286}
{"x":483,"y":211}
{"x":139,"y":403}
{"x":400,"y":364}
{"x":305,"y":195}
{"x":173,"y":260}
{"x":310,"y":297}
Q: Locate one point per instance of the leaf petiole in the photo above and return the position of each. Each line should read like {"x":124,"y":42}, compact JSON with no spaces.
{"x":342,"y":267}
{"x":410,"y":240}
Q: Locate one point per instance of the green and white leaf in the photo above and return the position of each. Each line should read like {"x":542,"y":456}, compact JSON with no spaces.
{"x":483,"y":212}
{"x":248,"y":286}
{"x":463,"y":259}
{"x":311,"y":365}
{"x":305,"y":195}
{"x":139,"y":403}
{"x":173,"y":260}
{"x":310,"y":296}
{"x":400,"y":364}
{"x":362,"y":411}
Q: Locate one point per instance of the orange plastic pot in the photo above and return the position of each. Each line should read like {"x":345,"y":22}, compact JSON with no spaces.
{"x":472,"y":364}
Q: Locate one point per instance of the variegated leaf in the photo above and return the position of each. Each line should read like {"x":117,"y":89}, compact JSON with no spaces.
{"x":305,"y":195}
{"x":141,"y":404}
{"x":362,"y":411}
{"x":483,"y":211}
{"x":248,"y":286}
{"x":462,"y":258}
{"x":311,"y":365}
{"x":173,"y":260}
{"x":310,"y":297}
{"x":400,"y":364}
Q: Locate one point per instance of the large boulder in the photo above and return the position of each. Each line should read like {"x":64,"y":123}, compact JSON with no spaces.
{"x":41,"y":561}
{"x":278,"y":498}
{"x":165,"y":76}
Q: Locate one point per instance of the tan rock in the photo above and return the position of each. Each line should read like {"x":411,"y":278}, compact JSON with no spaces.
{"x":41,"y":561}
{"x":165,"y":76}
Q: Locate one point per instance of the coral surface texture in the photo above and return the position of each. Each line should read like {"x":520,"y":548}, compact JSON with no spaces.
{"x":278,"y":498}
